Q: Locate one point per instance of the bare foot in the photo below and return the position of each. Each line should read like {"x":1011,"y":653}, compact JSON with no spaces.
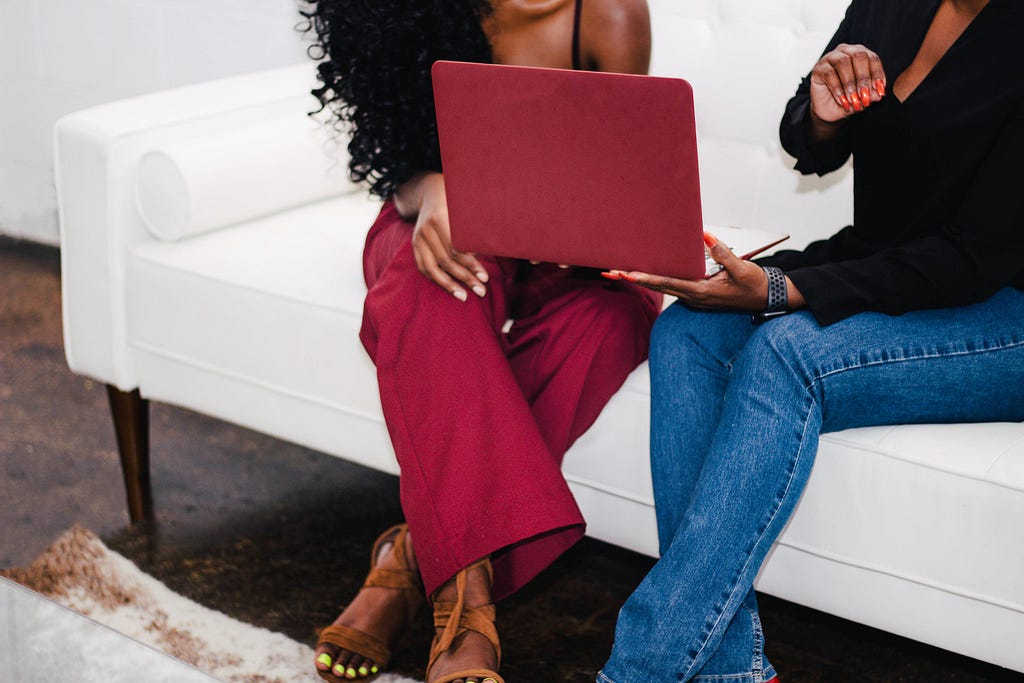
{"x":469,"y":650}
{"x":379,"y":612}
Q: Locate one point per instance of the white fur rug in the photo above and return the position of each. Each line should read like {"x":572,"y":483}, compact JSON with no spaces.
{"x":80,"y":572}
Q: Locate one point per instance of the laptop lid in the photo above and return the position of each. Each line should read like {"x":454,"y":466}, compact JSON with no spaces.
{"x":575,"y":167}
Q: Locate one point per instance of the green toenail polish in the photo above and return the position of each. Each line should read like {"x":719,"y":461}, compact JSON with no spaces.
{"x":363,"y":671}
{"x":374,"y":669}
{"x":325,"y":659}
{"x":351,"y":673}
{"x":339,"y":670}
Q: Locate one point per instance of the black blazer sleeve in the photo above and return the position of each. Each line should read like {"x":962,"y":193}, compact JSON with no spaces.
{"x":821,"y":157}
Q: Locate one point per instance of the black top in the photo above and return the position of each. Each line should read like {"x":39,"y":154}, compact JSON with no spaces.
{"x":576,"y":59}
{"x":939,"y":178}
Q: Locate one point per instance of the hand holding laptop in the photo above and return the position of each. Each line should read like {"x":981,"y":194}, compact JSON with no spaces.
{"x":740,"y":285}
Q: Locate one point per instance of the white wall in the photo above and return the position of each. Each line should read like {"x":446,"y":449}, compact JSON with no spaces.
{"x":58,"y":56}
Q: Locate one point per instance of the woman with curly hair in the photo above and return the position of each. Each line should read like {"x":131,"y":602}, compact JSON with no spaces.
{"x":480,"y":412}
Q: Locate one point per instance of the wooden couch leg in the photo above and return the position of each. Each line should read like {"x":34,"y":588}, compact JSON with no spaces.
{"x":131,"y":423}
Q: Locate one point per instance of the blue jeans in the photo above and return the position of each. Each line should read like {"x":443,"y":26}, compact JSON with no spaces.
{"x":735,"y":418}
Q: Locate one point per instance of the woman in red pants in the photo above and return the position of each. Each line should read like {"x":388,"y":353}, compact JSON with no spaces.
{"x":480,"y":412}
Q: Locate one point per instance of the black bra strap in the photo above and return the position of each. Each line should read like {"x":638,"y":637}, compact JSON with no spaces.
{"x":576,"y":62}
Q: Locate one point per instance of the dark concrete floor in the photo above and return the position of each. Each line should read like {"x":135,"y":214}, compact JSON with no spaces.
{"x":279,"y":536}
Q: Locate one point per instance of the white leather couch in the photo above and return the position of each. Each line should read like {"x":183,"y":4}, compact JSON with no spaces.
{"x":211,"y":259}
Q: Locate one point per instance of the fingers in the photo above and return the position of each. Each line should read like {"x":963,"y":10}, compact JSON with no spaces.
{"x":853,"y":75}
{"x":827,"y":73}
{"x":658,"y":283}
{"x":720,"y":252}
{"x":452,"y":270}
{"x":740,"y":286}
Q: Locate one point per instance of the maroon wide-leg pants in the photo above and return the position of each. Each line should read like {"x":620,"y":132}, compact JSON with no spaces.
{"x":480,"y":420}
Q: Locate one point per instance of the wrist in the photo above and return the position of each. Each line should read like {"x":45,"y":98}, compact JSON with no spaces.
{"x":417,"y":194}
{"x":819,"y":129}
{"x":777,"y":299}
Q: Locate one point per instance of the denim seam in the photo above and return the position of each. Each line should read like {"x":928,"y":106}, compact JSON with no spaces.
{"x":789,"y":483}
{"x":764,"y":675}
{"x":757,"y":665}
{"x":911,"y":359}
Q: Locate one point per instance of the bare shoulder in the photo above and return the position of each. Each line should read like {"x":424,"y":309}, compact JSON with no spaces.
{"x":616,"y":35}
{"x":626,"y":12}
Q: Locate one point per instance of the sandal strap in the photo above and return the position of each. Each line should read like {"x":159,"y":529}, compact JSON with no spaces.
{"x":479,"y":619}
{"x":397,"y":536}
{"x":470,"y":673}
{"x":356,"y":641}
{"x":407,"y":580}
{"x":397,"y":579}
{"x":456,"y":618}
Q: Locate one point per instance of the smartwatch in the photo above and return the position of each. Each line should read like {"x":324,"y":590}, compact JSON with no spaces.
{"x":778,"y":296}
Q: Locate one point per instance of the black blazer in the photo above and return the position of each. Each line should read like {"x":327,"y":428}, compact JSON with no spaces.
{"x":938,"y":179}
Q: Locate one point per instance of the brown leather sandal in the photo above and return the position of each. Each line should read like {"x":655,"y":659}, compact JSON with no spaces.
{"x":406,"y":580}
{"x":456,"y":618}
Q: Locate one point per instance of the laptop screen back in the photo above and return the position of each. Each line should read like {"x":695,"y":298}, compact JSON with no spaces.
{"x":583,"y":168}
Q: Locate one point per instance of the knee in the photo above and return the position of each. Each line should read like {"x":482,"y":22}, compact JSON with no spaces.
{"x":673,"y":332}
{"x":789,"y":344}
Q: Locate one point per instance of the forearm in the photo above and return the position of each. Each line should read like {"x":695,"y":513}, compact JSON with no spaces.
{"x":412,"y":193}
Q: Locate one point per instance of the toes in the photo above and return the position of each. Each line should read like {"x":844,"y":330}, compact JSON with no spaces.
{"x":325,"y":656}
{"x":367,"y":668}
{"x":361,"y":668}
{"x":343,"y":665}
{"x":344,"y":672}
{"x":361,"y":665}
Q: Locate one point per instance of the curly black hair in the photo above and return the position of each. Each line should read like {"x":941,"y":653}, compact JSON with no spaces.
{"x":374,"y":70}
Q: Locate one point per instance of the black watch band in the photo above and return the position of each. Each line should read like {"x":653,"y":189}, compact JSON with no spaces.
{"x":778,"y":296}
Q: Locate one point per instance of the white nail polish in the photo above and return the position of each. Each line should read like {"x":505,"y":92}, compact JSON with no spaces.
{"x":459,"y":294}
{"x":480,"y":291}
{"x":483,"y":276}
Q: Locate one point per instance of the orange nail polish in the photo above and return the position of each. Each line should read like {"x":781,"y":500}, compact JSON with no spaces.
{"x":710,"y":240}
{"x":865,"y":96}
{"x":880,"y":87}
{"x":845,"y":102}
{"x":629,"y":278}
{"x":610,"y":276}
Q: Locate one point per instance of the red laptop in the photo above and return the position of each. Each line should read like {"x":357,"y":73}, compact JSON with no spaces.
{"x":576,"y":167}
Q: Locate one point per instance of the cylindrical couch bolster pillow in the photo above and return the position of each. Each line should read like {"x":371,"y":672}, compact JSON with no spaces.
{"x":202,"y":184}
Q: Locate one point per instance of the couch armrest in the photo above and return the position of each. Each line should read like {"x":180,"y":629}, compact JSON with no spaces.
{"x":98,"y":152}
